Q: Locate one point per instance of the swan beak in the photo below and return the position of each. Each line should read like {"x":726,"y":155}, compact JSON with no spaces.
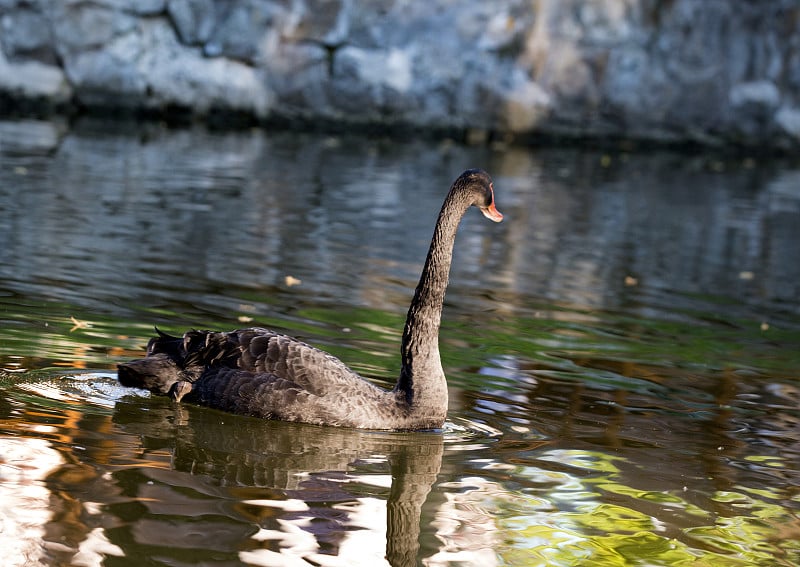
{"x":492,"y":213}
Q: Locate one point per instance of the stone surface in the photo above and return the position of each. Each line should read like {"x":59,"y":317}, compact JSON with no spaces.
{"x":788,"y":120}
{"x":26,"y":35}
{"x":194,"y":20}
{"x":34,"y":80}
{"x":712,"y":71}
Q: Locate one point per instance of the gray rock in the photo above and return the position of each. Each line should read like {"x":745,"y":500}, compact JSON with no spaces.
{"x":788,"y":121}
{"x":26,"y":34}
{"x":194,"y":20}
{"x":82,"y":26}
{"x":323,"y":21}
{"x":239,"y":31}
{"x":33,"y":80}
{"x":714,"y":71}
{"x":173,"y":75}
{"x":763,"y":95}
{"x":752,"y":107}
{"x":139,"y":7}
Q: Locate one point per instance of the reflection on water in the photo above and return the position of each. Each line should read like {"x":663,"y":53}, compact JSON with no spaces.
{"x":622,"y":353}
{"x":154,"y":215}
{"x":153,"y":479}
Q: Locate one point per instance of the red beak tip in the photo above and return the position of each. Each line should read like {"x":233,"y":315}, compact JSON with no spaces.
{"x":492,"y":213}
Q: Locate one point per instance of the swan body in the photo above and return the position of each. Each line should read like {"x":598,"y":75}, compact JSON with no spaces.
{"x":262,"y":373}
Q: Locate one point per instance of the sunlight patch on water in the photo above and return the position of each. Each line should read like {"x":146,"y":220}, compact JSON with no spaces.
{"x":25,"y":506}
{"x":588,"y":460}
{"x":97,"y":388}
{"x":461,"y":429}
{"x":291,"y":505}
{"x":95,"y":549}
{"x":466,"y":523}
{"x":360,"y":546}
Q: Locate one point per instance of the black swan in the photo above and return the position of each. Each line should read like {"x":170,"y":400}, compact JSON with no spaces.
{"x":262,"y":373}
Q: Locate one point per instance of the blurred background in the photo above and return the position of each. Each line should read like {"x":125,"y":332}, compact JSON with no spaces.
{"x":715,"y":73}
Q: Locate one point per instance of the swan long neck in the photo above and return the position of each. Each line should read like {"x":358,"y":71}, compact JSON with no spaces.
{"x":421,"y":370}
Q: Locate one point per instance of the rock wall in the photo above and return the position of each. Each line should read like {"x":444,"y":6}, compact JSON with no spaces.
{"x":709,"y":71}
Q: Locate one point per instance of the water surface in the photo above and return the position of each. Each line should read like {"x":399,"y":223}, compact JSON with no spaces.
{"x":622,"y":352}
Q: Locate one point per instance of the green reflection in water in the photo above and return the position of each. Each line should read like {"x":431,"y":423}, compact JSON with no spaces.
{"x":607,"y":349}
{"x":582,"y":524}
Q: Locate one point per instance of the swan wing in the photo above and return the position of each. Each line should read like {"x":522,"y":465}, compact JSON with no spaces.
{"x":266,"y":374}
{"x":291,"y":362}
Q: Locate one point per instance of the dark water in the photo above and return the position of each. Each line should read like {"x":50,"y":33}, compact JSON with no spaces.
{"x":622,"y":353}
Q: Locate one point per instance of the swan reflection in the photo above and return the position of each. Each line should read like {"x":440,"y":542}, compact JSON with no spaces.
{"x":270,"y":489}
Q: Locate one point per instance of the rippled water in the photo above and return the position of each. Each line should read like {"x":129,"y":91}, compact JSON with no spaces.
{"x":622,"y":352}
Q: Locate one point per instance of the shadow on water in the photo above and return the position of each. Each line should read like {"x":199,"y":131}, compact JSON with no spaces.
{"x":229,"y":476}
{"x":626,"y":342}
{"x":146,"y":478}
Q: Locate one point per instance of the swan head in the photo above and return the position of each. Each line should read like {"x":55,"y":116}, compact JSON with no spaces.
{"x":480,"y":184}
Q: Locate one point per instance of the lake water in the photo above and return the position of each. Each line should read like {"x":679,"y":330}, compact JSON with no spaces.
{"x":623,"y":352}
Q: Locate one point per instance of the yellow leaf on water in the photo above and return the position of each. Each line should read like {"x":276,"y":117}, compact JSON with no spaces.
{"x":78,"y":324}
